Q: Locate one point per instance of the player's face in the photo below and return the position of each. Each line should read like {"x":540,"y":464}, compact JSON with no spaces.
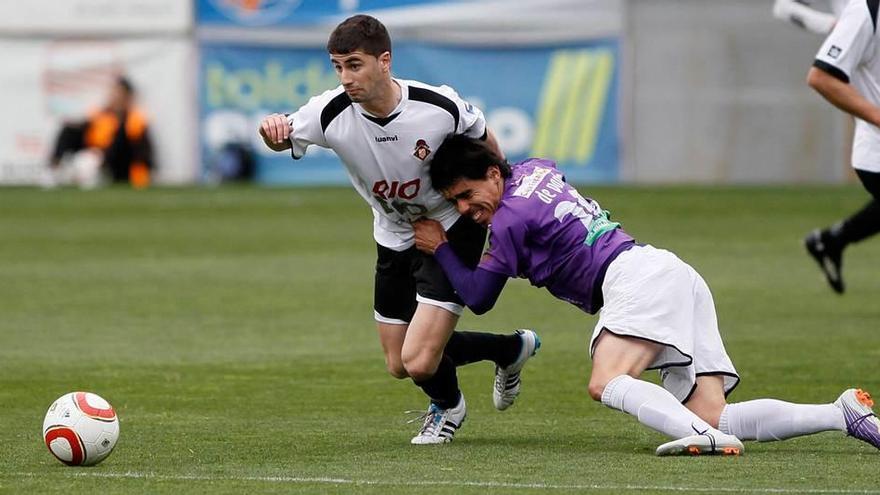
{"x":361,"y":74}
{"x":477,"y":198}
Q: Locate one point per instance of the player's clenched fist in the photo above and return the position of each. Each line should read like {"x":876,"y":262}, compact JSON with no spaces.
{"x":275,"y":131}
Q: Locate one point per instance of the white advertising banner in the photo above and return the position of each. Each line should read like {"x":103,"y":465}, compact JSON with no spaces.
{"x":94,"y":17}
{"x":46,"y":82}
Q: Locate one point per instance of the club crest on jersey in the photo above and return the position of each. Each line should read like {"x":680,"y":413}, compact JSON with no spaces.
{"x":422,"y":150}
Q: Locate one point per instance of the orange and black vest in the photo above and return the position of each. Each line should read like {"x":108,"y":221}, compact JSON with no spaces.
{"x":102,"y":129}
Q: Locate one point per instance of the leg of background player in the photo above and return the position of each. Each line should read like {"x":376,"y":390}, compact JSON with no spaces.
{"x":827,"y":245}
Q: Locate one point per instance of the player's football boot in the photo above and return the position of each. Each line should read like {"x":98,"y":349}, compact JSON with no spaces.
{"x":707,"y":443}
{"x":829,"y":257}
{"x":861,"y":422}
{"x":507,"y":381}
{"x":439,"y":425}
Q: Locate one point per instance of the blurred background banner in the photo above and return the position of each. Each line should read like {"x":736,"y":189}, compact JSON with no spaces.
{"x":498,"y":22}
{"x":628,"y":91}
{"x":548,"y":85}
{"x":555,"y":102}
{"x":286,"y":12}
{"x":239,"y":86}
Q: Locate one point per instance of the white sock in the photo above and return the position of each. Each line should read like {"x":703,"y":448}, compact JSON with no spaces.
{"x":770,"y":419}
{"x":654,"y":407}
{"x":810,"y":19}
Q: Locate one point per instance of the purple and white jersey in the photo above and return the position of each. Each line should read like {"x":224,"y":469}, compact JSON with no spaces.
{"x":545,"y":231}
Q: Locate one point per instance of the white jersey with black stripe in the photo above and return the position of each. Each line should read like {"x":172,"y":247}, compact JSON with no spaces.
{"x":851,"y":53}
{"x":387,"y":158}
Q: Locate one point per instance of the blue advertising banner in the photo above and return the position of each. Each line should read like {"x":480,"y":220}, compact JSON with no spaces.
{"x":559,"y":103}
{"x":287,"y":12}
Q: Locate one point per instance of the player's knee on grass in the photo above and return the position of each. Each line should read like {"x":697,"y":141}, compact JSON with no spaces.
{"x":616,"y":355}
{"x":600,"y":379}
{"x":597,"y":386}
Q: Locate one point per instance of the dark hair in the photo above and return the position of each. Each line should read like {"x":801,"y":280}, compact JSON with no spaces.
{"x":360,"y":32}
{"x":125,"y":84}
{"x":462,"y":157}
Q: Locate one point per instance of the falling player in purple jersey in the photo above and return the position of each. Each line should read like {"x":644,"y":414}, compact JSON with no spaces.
{"x":656,"y":311}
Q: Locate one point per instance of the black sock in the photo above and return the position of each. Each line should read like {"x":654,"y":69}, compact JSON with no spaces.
{"x":864,"y":224}
{"x":471,"y":347}
{"x":442,"y":388}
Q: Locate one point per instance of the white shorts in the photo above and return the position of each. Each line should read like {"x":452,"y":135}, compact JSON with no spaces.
{"x":651,"y":294}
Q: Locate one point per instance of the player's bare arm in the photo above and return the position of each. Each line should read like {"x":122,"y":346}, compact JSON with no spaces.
{"x":275,"y":131}
{"x":429,"y":235}
{"x":843,"y":95}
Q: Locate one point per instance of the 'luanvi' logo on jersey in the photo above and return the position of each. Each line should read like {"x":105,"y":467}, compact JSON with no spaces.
{"x":834,"y":51}
{"x":422,"y":150}
{"x":385,"y":139}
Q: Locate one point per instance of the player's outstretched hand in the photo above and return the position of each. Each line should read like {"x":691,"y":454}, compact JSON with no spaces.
{"x":429,"y":234}
{"x":275,"y":131}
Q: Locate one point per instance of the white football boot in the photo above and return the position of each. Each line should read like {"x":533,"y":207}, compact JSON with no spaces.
{"x":707,"y":443}
{"x":861,"y":422}
{"x":507,"y":381}
{"x":440,"y":425}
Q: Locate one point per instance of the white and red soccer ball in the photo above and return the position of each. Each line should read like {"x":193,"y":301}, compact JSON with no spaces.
{"x":80,"y":429}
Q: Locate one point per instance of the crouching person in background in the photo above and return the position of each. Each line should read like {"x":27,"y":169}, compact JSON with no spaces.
{"x":112,"y":144}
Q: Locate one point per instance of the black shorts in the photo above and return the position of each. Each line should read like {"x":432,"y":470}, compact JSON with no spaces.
{"x":871,"y":181}
{"x":401,"y":275}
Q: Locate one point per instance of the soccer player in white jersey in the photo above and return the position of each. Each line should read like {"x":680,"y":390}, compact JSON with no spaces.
{"x":385,"y":131}
{"x":655,"y":311}
{"x":846,"y":72}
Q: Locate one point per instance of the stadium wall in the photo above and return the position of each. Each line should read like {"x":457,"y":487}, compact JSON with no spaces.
{"x":715,"y":92}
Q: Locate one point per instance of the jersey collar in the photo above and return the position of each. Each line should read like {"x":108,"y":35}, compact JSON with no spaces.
{"x":383,"y":121}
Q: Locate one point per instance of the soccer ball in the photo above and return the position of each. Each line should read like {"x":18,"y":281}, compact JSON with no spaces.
{"x":80,"y":429}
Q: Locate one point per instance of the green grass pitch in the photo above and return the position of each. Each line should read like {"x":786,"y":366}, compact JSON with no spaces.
{"x":232,"y":330}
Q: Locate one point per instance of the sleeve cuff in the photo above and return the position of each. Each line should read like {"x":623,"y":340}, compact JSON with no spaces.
{"x":831,"y":70}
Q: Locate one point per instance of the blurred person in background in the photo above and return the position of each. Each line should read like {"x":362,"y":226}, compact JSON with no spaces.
{"x":385,"y":131}
{"x":112,"y":144}
{"x":846,"y":72}
{"x":802,"y":14}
